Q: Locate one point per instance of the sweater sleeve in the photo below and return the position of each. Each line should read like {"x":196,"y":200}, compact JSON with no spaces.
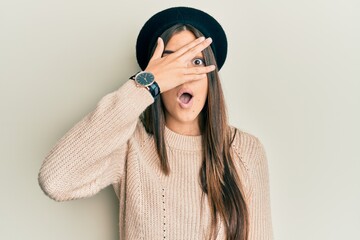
{"x":259,"y":207}
{"x":91,"y":155}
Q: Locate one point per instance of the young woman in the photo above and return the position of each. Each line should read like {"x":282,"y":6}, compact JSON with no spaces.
{"x":163,"y":141}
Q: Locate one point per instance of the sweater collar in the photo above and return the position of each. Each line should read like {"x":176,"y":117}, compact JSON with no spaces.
{"x":182,"y":142}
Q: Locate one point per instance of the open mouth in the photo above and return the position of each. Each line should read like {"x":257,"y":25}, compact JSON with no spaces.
{"x":185,"y":97}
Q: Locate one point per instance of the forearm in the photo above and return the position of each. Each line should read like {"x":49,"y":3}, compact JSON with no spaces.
{"x":88,"y":157}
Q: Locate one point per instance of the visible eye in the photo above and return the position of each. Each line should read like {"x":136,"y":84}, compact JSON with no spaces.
{"x":198,"y":62}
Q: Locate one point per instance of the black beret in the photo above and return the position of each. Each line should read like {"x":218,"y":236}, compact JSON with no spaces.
{"x":165,"y":19}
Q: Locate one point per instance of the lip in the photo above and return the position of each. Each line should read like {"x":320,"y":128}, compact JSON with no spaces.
{"x":185,"y":105}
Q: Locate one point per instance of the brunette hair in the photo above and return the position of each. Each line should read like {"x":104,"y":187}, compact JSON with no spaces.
{"x":218,"y":176}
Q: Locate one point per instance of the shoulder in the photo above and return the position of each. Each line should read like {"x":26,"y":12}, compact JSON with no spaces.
{"x":245,"y":142}
{"x":251,"y":157}
{"x":140,"y":136}
{"x":249,"y":150}
{"x":245,"y":150}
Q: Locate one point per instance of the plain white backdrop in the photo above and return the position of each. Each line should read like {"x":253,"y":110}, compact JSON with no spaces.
{"x":291,"y":78}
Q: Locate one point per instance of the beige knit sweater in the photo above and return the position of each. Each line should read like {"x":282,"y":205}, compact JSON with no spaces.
{"x":111,"y":146}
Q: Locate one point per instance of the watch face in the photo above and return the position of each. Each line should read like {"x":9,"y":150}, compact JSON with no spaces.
{"x":144,"y":78}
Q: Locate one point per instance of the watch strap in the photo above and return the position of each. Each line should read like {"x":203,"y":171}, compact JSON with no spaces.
{"x":154,"y":90}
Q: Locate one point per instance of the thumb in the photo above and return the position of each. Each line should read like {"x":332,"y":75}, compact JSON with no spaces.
{"x":159,"y":49}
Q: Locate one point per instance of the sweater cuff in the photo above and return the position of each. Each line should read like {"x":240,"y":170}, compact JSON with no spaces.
{"x":137,"y":98}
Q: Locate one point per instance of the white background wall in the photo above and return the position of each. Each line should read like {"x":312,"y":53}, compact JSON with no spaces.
{"x":291,"y":78}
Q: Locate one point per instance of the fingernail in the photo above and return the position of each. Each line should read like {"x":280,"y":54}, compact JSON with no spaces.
{"x":209,"y":39}
{"x":202,"y":38}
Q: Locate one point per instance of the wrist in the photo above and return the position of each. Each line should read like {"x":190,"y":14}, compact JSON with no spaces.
{"x":146,"y":79}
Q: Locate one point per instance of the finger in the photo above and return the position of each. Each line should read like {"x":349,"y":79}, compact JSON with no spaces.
{"x":159,"y":49}
{"x":193,"y":77}
{"x":191,"y":53}
{"x":188,"y":46}
{"x":199,"y":70}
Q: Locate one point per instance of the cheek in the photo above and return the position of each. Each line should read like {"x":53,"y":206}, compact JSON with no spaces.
{"x":203,"y":90}
{"x":200,"y":100}
{"x":168,"y":99}
{"x":201,"y":96}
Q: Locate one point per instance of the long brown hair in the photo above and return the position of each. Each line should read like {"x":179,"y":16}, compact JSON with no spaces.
{"x":218,"y":176}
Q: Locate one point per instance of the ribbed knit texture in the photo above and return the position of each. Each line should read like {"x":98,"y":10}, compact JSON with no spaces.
{"x":111,"y":146}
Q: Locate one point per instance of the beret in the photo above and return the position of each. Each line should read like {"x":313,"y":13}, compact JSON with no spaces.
{"x":165,"y":19}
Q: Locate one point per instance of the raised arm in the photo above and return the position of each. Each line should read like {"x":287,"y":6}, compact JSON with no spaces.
{"x":90,"y":156}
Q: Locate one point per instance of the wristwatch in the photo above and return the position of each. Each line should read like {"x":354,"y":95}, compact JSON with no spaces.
{"x":147,"y":80}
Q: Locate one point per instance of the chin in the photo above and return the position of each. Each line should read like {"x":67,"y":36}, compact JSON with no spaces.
{"x":184,"y":117}
{"x":187,"y":118}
